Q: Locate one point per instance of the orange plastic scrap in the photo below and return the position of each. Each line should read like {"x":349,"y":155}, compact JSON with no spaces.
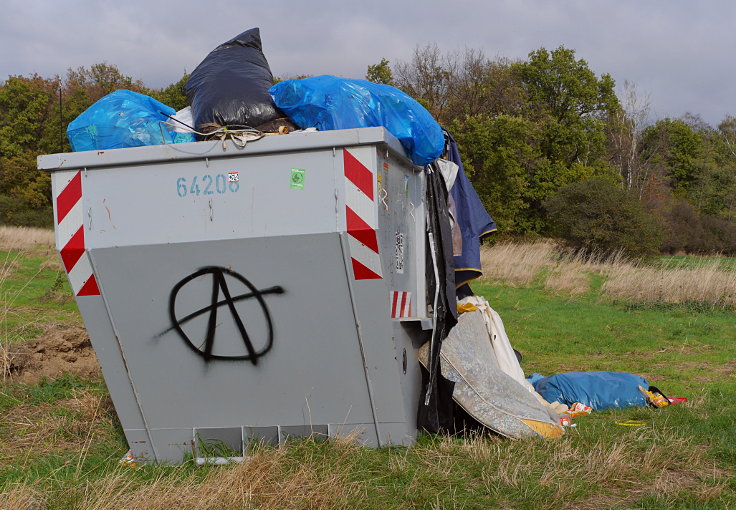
{"x":128,"y":460}
{"x":578,"y":409}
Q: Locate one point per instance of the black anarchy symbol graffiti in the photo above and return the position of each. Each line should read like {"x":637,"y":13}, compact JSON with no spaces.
{"x":219,"y":283}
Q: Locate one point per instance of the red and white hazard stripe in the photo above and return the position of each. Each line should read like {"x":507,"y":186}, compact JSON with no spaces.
{"x":361,"y":218}
{"x":400,"y":304}
{"x":70,"y":233}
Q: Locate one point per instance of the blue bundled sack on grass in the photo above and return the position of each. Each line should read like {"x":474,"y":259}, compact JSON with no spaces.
{"x":328,"y":102}
{"x":123,"y":119}
{"x":599,"y":390}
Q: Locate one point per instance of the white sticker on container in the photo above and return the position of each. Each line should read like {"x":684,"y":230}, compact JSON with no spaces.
{"x":399,"y":250}
{"x":233,"y":177}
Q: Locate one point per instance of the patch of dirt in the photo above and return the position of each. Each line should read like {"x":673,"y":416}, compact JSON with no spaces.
{"x":728,"y":369}
{"x":684,"y":349}
{"x":59,"y":350}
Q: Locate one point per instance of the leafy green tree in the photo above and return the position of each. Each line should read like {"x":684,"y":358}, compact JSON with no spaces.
{"x":174,"y":94}
{"x":25,"y":192}
{"x":722,"y":201}
{"x":34,"y":113}
{"x":713,"y":190}
{"x":571,"y":108}
{"x":525,"y":129}
{"x":698,"y":166}
{"x":570,"y":102}
{"x":675,"y":147}
{"x":26,"y":114}
{"x":380,"y":73}
{"x":498,"y":153}
{"x":29,"y":125}
{"x":597,"y":215}
{"x":565,"y":87}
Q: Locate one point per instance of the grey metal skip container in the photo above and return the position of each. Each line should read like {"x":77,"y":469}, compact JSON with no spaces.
{"x":235,"y":294}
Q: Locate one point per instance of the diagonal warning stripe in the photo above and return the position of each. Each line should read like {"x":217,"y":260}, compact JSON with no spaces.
{"x":360,"y":219}
{"x":70,"y":234}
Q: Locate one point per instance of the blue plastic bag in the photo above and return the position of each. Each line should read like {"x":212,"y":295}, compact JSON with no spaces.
{"x":123,"y":119}
{"x":599,"y":390}
{"x":328,"y":102}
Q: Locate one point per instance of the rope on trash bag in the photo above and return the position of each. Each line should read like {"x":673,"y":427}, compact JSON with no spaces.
{"x":240,"y":135}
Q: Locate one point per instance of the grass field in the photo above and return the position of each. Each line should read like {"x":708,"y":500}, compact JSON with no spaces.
{"x":689,"y":261}
{"x":60,"y":441}
{"x":35,"y":292}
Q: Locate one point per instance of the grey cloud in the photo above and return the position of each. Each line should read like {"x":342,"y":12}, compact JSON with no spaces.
{"x":677,"y":51}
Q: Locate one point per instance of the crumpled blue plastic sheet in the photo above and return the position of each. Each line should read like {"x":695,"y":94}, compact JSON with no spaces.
{"x":328,"y":102}
{"x":123,"y":119}
{"x":599,"y":390}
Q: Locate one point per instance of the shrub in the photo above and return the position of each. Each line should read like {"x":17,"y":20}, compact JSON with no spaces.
{"x":690,"y":232}
{"x":595,"y":214}
{"x":16,"y":212}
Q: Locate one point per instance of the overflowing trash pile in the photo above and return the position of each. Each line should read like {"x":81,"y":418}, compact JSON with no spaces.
{"x":232,"y":93}
{"x":472,"y":375}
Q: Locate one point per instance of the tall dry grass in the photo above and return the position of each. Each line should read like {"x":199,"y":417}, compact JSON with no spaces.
{"x":20,"y":238}
{"x":707,"y":284}
{"x":559,"y":269}
{"x":517,"y":264}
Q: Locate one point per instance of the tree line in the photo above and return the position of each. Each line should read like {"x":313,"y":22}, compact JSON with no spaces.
{"x":551,"y":147}
{"x":34,"y":114}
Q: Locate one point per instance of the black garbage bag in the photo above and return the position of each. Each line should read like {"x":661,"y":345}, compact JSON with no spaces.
{"x":229,"y":88}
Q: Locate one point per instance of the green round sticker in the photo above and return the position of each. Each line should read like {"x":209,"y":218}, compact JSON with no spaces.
{"x":297,"y":178}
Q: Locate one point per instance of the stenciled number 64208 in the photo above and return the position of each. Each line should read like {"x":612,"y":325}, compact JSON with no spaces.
{"x":206,"y":185}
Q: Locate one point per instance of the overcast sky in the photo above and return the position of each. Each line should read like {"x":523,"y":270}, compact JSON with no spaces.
{"x":678,"y":52}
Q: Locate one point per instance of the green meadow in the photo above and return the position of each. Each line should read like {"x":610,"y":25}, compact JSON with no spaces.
{"x":61,"y":443}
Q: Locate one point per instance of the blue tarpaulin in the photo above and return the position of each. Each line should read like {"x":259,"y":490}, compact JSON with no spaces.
{"x":599,"y":390}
